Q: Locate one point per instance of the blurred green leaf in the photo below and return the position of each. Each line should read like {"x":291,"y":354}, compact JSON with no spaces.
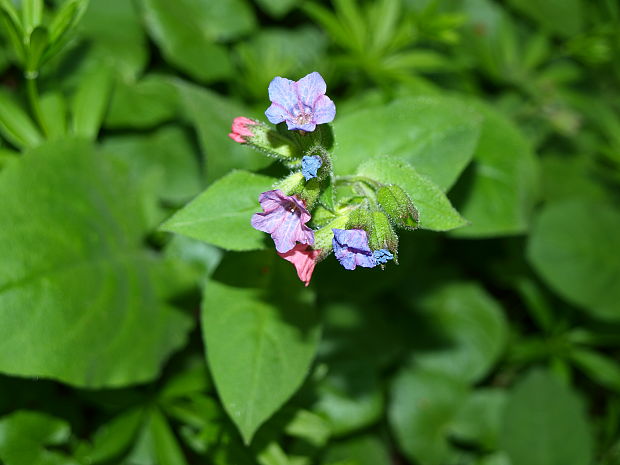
{"x":221,"y":214}
{"x":570,"y":248}
{"x":24,"y":436}
{"x":260,"y":339}
{"x":16,"y":125}
{"x":545,"y":423}
{"x":151,"y":101}
{"x":360,"y":450}
{"x":167,"y":449}
{"x":561,"y":17}
{"x":436,"y":135}
{"x":461,"y":331}
{"x":436,"y":212}
{"x":187,"y":30}
{"x":498,"y":193}
{"x":168,"y":152}
{"x":75,"y":280}
{"x":115,"y":437}
{"x":600,"y":368}
{"x":424,"y":403}
{"x":54,"y":113}
{"x":212,"y":116}
{"x":14,"y":28}
{"x":479,"y":420}
{"x":90,"y":102}
{"x":277,"y":8}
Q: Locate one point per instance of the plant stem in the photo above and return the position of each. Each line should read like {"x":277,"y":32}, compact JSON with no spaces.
{"x":35,"y":104}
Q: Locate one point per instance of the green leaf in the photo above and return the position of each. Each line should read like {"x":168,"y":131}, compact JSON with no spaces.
{"x":600,"y":368}
{"x":168,"y":152}
{"x":37,"y":44}
{"x":16,"y":125}
{"x":32,"y":14}
{"x":436,"y":212}
{"x":276,"y":8}
{"x":116,"y":436}
{"x":54,"y":113}
{"x":167,"y":449}
{"x":76,"y":283}
{"x":186,"y":31}
{"x":144,"y":104}
{"x":423,"y":405}
{"x":545,"y":424}
{"x":361,"y":450}
{"x":24,"y":436}
{"x":479,"y":419}
{"x":497,"y":195}
{"x":221,"y":214}
{"x":13,"y":28}
{"x":91,"y":102}
{"x":561,"y":17}
{"x":261,"y":332}
{"x":462,"y":331}
{"x":212,"y":115}
{"x":571,"y":246}
{"x":350,"y":398}
{"x":113,"y":30}
{"x":437,"y":136}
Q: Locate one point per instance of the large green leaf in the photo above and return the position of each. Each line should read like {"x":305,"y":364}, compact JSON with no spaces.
{"x":167,"y":152}
{"x":436,"y":212}
{"x":212,"y":116}
{"x":261,"y":332}
{"x":436,"y":135}
{"x":186,"y":31}
{"x":545,"y":424}
{"x":572,"y":246}
{"x":460,"y":331}
{"x":79,"y":296}
{"x":221,"y":214}
{"x":423,"y":405}
{"x":498,"y":192}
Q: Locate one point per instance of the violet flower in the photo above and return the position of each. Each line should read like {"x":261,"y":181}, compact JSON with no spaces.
{"x":310,"y":165}
{"x":285,"y":218}
{"x":302,"y":104}
{"x":351,"y":248}
{"x":304,"y":259}
{"x":382,"y":256}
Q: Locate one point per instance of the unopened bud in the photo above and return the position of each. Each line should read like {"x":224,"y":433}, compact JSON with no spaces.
{"x":382,"y":236}
{"x":399,"y":207}
{"x":264,"y":138}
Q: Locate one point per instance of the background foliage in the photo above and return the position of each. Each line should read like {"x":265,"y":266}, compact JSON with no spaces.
{"x":495,"y":343}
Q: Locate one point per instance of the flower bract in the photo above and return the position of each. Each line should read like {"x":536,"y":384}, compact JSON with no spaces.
{"x":302,"y":104}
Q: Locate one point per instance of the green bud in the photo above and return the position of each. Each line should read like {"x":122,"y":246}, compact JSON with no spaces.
{"x":265,"y":139}
{"x":399,"y":207}
{"x":323,"y":237}
{"x":361,"y":218}
{"x":382,"y":235}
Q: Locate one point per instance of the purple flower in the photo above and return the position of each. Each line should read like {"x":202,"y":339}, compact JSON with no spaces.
{"x":285,"y":218}
{"x":310,"y":164}
{"x":302,"y":104}
{"x":351,"y":248}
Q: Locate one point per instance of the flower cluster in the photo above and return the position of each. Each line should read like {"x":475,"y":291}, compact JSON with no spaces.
{"x":359,"y":233}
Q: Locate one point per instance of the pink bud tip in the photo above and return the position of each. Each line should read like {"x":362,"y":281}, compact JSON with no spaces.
{"x":241,"y":129}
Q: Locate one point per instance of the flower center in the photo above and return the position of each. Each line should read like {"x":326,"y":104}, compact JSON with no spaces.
{"x":303,"y":118}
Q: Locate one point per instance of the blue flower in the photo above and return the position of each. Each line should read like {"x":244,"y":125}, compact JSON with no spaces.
{"x":302,"y":104}
{"x":310,"y":164}
{"x":351,"y":248}
{"x":382,"y":256}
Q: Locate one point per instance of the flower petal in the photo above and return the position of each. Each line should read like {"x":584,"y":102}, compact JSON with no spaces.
{"x":276,"y":113}
{"x":283,"y":92}
{"x":324,"y":110}
{"x":310,"y":88}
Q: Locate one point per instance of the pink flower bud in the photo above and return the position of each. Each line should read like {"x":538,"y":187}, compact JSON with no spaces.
{"x":241,"y":129}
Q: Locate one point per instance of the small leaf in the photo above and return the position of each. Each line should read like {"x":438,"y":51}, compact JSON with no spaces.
{"x":261,"y":332}
{"x":479,"y":420}
{"x":32,"y":14}
{"x":436,"y":212}
{"x":54,"y":113}
{"x":91,"y":101}
{"x":39,"y":40}
{"x":63,"y":24}
{"x":16,"y":125}
{"x":13,"y":28}
{"x":221,"y":214}
{"x":545,"y":424}
{"x":167,"y":449}
{"x":600,"y":368}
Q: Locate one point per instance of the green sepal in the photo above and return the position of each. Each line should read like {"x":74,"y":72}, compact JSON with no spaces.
{"x":323,"y":237}
{"x":361,"y":218}
{"x":399,"y":207}
{"x":382,"y":236}
{"x":273,"y":143}
{"x":292,"y":184}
